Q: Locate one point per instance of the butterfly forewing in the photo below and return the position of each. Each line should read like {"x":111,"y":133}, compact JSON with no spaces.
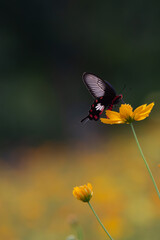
{"x":97,"y":87}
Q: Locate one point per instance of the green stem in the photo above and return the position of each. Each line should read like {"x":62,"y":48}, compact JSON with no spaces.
{"x":148,"y":168}
{"x":100,"y":221}
{"x":79,"y":233}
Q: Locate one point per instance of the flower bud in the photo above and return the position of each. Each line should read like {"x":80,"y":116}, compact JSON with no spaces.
{"x":83,"y":193}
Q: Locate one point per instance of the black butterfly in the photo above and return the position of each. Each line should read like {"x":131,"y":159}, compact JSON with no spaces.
{"x":104,"y":94}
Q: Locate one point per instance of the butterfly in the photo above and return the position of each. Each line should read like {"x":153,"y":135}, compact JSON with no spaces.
{"x":103,"y":93}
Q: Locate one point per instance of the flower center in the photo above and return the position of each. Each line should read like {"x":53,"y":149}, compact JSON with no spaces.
{"x":129,"y":119}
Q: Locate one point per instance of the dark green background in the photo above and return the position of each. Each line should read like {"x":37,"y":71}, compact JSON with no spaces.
{"x":45,"y":46}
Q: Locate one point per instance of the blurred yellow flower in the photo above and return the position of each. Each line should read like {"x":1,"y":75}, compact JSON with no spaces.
{"x":127,"y":115}
{"x":83,"y":193}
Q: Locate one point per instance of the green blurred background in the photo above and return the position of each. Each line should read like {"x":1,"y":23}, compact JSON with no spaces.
{"x":45,"y":46}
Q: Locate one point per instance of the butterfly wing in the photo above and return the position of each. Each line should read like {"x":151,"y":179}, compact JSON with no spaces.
{"x":98,"y":87}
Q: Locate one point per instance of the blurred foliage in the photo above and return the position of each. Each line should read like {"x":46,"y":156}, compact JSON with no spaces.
{"x":45,"y":47}
{"x":36,"y":195}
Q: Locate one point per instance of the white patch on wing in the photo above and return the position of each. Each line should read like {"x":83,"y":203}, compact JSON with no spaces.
{"x":99,"y":107}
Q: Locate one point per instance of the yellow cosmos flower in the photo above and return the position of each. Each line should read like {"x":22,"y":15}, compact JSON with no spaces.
{"x":83,"y":193}
{"x":127,"y":115}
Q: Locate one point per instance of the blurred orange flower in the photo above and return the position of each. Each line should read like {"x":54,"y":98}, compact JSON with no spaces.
{"x":127,"y":115}
{"x":83,"y":193}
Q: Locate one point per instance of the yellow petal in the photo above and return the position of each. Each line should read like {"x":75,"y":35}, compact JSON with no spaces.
{"x":148,"y":108}
{"x":89,"y":186}
{"x":126,"y":111}
{"x":110,"y":121}
{"x":77,"y":194}
{"x":140,"y":108}
{"x":139,"y":117}
{"x":84,"y":191}
{"x":112,"y":115}
{"x":144,"y":109}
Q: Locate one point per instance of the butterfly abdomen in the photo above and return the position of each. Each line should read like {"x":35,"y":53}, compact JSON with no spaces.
{"x":96,"y":109}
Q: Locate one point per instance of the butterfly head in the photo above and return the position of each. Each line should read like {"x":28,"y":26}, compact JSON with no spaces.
{"x":120,"y":96}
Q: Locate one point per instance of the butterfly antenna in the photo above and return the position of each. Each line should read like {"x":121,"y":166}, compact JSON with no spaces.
{"x":122,"y":91}
{"x":123,"y":88}
{"x":85,"y":120}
